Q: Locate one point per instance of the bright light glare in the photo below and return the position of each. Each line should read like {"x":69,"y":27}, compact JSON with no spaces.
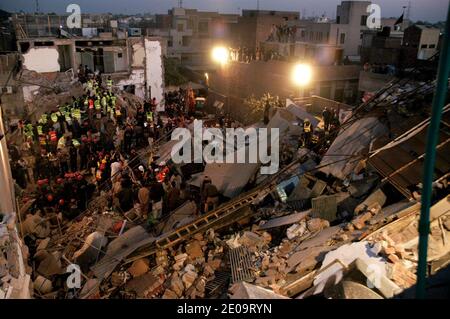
{"x":302,"y":74}
{"x":220,"y":55}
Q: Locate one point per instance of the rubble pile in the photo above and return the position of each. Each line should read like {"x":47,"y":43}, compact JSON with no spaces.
{"x":14,"y":278}
{"x":174,"y":273}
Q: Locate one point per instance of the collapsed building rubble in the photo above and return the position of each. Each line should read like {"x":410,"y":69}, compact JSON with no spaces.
{"x":328,"y":223}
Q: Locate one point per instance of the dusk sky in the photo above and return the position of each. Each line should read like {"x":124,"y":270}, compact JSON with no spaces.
{"x":431,"y":10}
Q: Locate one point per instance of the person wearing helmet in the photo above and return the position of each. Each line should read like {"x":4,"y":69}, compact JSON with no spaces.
{"x":307,"y":133}
{"x":326,"y":115}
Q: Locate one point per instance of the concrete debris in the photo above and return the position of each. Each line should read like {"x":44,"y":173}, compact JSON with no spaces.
{"x":303,"y":235}
{"x":296,"y":230}
{"x":378,"y":198}
{"x":139,"y":267}
{"x":43,"y":285}
{"x":91,"y":249}
{"x":244,"y":290}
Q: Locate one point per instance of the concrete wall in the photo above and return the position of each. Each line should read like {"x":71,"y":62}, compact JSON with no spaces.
{"x":42,"y":60}
{"x":12,"y":103}
{"x":138,"y":55}
{"x":136,"y":78}
{"x":238,"y":81}
{"x":350,"y":13}
{"x":372,"y":82}
{"x":154,"y":69}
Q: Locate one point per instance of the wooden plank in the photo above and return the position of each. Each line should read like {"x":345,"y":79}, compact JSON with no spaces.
{"x":299,"y":285}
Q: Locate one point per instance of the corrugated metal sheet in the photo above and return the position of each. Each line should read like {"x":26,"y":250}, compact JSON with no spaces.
{"x":402,"y":164}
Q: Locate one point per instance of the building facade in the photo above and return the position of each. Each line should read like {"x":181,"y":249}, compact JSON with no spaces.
{"x":190,"y":34}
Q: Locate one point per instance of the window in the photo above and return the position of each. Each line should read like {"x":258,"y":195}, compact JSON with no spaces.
{"x":186,"y":41}
{"x":119,"y":55}
{"x":203,"y":26}
{"x":303,"y":34}
{"x":342,"y":38}
{"x":432,"y":46}
{"x":338,"y":19}
{"x":423,"y":46}
{"x":169,"y":43}
{"x":363,"y":20}
{"x":180,"y":28}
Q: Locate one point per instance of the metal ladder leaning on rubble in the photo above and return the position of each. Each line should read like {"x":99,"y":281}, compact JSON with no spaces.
{"x":228,"y":212}
{"x":133,"y":163}
{"x":231,"y":209}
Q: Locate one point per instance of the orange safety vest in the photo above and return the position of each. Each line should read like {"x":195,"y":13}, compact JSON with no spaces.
{"x":53,"y":136}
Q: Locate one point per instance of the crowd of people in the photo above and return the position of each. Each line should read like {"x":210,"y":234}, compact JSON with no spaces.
{"x":282,"y":33}
{"x":93,"y":143}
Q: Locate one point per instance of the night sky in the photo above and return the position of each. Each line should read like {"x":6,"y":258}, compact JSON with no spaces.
{"x":430,"y":10}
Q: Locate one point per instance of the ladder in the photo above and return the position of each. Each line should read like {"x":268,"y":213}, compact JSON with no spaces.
{"x":225,"y":214}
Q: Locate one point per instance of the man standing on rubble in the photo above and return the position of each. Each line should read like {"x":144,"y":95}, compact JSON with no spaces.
{"x":209,"y":194}
{"x":307,"y":133}
{"x":327,"y":116}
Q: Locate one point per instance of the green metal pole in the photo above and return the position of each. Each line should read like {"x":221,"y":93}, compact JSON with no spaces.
{"x":439,"y":99}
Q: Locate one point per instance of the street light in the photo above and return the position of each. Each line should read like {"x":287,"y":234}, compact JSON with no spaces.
{"x":301,"y":76}
{"x":220,"y":55}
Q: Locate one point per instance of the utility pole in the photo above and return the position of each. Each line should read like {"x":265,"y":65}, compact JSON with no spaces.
{"x":180,"y":3}
{"x":37,"y":6}
{"x":408,"y":13}
{"x":257,"y":5}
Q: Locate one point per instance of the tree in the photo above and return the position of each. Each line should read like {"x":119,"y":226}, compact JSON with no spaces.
{"x":172,"y":74}
{"x":254,"y":107}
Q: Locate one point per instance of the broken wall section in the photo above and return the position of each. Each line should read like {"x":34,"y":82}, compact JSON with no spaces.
{"x":154,"y":70}
{"x":42,"y":60}
{"x":146,"y":69}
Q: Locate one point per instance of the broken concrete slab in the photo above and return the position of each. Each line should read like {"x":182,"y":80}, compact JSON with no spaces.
{"x":316,"y":224}
{"x":285,"y":220}
{"x":144,"y":285}
{"x":139,"y":267}
{"x":377,"y":197}
{"x":250,"y":239}
{"x":50,"y":265}
{"x":321,"y":238}
{"x":324,"y":207}
{"x":120,"y":248}
{"x":318,"y":188}
{"x":194,"y":249}
{"x":244,"y":290}
{"x":296,"y":230}
{"x":91,"y":249}
{"x":299,"y":256}
{"x":176,"y":284}
{"x":43,"y":285}
{"x":188,"y":278}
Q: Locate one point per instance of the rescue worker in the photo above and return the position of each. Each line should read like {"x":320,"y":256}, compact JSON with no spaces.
{"x":109,"y":84}
{"x":307,"y":133}
{"x":326,"y":115}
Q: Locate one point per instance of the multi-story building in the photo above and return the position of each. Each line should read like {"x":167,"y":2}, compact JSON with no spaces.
{"x":420,"y":42}
{"x":134,"y":63}
{"x":345,"y":32}
{"x":190,"y":34}
{"x":255,"y":26}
